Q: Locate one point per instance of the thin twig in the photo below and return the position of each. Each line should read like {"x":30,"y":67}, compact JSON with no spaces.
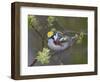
{"x":74,"y":32}
{"x":34,"y":61}
{"x":37,"y":31}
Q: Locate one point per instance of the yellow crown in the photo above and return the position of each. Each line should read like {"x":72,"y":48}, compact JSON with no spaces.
{"x":50,"y":34}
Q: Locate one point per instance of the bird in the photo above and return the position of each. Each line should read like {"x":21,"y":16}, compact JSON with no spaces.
{"x":59,"y":41}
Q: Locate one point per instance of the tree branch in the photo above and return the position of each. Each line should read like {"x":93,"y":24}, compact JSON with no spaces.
{"x":37,"y":32}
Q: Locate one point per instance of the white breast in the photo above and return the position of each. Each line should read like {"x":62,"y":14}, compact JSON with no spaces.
{"x":57,"y":47}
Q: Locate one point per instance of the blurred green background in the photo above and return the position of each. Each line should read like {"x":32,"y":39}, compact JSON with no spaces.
{"x":38,"y":26}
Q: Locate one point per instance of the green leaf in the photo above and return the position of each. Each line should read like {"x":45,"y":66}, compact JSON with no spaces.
{"x":50,"y":20}
{"x":80,"y":38}
{"x":43,"y":56}
{"x":31,"y":20}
